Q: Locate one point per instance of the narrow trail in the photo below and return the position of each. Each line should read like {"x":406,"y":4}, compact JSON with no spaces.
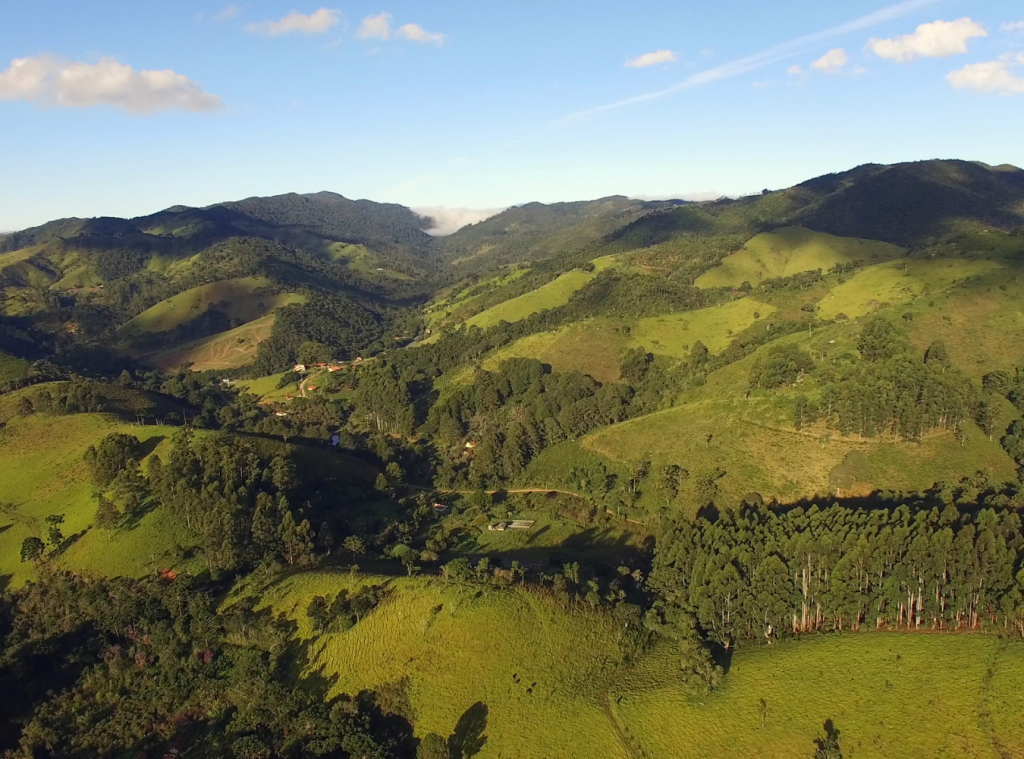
{"x":628,"y":743}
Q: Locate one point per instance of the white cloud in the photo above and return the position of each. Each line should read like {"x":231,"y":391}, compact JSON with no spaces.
{"x":650,"y":59}
{"x":748,"y":63}
{"x":860,"y":71}
{"x":417,"y":33}
{"x":832,"y":61}
{"x":794,"y":70}
{"x":447,"y":221}
{"x":317,"y":22}
{"x":991,"y":76}
{"x":50,"y":81}
{"x":228,"y":13}
{"x":939,"y":39}
{"x":1013,"y":26}
{"x":378,"y":27}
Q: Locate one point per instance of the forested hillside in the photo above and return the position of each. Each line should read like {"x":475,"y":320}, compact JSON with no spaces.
{"x":288,"y":477}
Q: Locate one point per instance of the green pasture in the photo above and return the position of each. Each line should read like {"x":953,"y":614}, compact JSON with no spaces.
{"x":553,"y":294}
{"x":901,"y":283}
{"x":240,"y":296}
{"x":42,"y":473}
{"x":790,"y":250}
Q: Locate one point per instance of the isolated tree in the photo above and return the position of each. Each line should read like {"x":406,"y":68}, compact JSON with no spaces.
{"x":32,"y":549}
{"x":107,"y":515}
{"x":432,"y":746}
{"x":382,"y":485}
{"x":354,"y":545}
{"x":828,"y":747}
{"x":407,"y":556}
{"x":55,"y":536}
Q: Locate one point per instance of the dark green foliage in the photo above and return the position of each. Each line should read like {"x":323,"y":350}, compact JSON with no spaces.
{"x":337,"y":322}
{"x":901,"y":395}
{"x":114,"y":454}
{"x":880,"y":340}
{"x":804,"y":412}
{"x":32,"y":549}
{"x":764,"y":573}
{"x":140,"y":655}
{"x":782,"y":365}
{"x":432,"y":746}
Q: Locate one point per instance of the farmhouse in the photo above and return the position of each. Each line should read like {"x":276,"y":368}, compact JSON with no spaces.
{"x":499,"y":527}
{"x":299,"y":368}
{"x":441,"y":508}
{"x":522,"y":524}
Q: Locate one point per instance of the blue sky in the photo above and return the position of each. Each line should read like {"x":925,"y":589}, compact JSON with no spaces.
{"x":482,"y":105}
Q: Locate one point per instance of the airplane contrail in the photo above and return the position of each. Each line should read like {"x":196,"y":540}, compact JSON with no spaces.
{"x":752,"y":62}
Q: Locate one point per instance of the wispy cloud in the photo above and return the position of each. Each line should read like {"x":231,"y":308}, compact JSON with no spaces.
{"x":317,"y":22}
{"x":1013,"y":26}
{"x":795,"y":70}
{"x":376,"y":27}
{"x":448,"y":221}
{"x":228,"y":13}
{"x":651,"y":59}
{"x":417,"y":33}
{"x":758,"y":60}
{"x":831,"y":62}
{"x":991,"y":77}
{"x":939,"y":39}
{"x":52,"y":82}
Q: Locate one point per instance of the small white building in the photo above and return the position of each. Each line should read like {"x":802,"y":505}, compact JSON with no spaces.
{"x":299,"y":368}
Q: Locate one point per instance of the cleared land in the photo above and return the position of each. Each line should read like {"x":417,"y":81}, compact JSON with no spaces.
{"x":538,"y":671}
{"x":791,"y":250}
{"x":549,"y":681}
{"x":900,"y":283}
{"x":226,"y":350}
{"x":237,"y":298}
{"x":362,"y":259}
{"x":42,"y":473}
{"x":595,"y":346}
{"x":12,"y":368}
{"x":888,"y":694}
{"x":754,"y":441}
{"x":553,"y":294}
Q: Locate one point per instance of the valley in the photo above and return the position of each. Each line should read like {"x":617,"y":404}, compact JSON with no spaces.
{"x":764,"y":456}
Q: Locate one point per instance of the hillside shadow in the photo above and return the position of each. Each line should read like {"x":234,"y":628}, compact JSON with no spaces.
{"x":5,"y":581}
{"x":146,"y":447}
{"x":469,"y":737}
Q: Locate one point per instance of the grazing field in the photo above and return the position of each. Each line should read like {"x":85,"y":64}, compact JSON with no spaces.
{"x":888,"y":694}
{"x":595,"y":346}
{"x":675,"y":334}
{"x":542,"y":680}
{"x":226,"y":350}
{"x":900,"y":283}
{"x":530,"y":671}
{"x":753,"y":439}
{"x":553,"y":294}
{"x":12,"y":368}
{"x":981,"y":322}
{"x":362,"y":259}
{"x":791,"y":250}
{"x":239,"y":299}
{"x":42,"y":473}
{"x":266,"y":388}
